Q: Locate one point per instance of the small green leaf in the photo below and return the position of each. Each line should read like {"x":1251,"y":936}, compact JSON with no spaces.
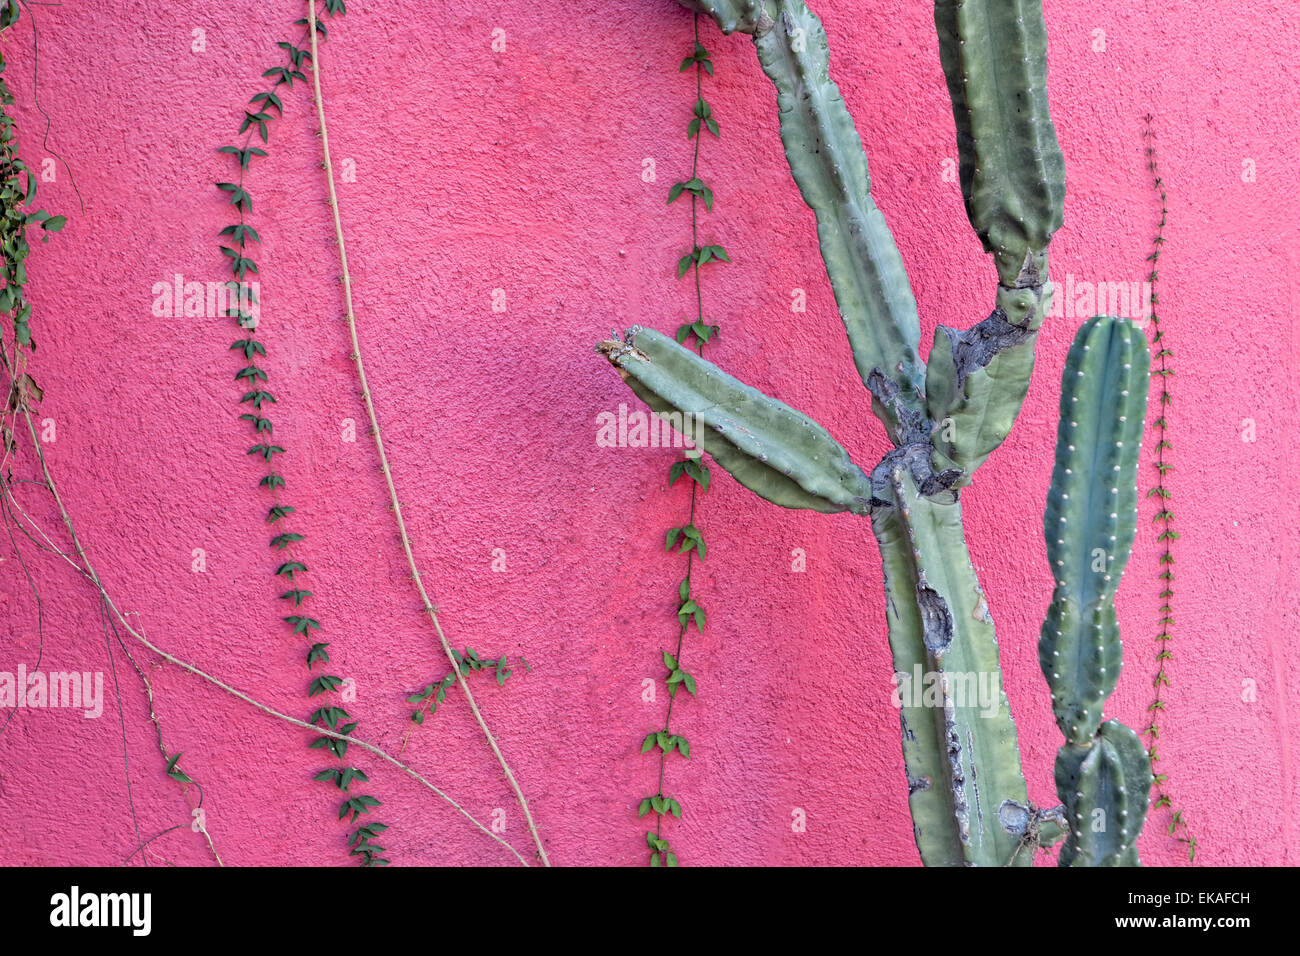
{"x":175,"y":772}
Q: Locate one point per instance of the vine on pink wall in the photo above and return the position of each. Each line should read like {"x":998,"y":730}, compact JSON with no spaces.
{"x":686,"y":539}
{"x":17,"y":192}
{"x":395,"y":504}
{"x":1160,"y":366}
{"x":265,"y":107}
{"x":246,"y":310}
{"x":24,"y":394}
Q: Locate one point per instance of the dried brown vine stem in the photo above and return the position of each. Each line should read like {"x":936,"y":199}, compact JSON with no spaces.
{"x":199,"y":822}
{"x":88,"y":570}
{"x":395,"y":504}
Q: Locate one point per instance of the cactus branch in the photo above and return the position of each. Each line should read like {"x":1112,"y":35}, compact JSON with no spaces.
{"x":994,"y":56}
{"x":864,"y":265}
{"x":768,"y":447}
{"x":967,"y":795}
{"x":1103,"y":773}
{"x":734,"y":16}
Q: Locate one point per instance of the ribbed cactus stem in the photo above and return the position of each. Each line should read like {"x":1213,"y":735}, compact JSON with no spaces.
{"x":734,"y":16}
{"x":1103,"y":773}
{"x":864,"y":265}
{"x":966,"y":792}
{"x":773,"y":450}
{"x":994,"y":55}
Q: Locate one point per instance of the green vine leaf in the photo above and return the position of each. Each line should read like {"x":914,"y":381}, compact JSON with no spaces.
{"x":297,"y":596}
{"x":239,"y":197}
{"x":290,"y":568}
{"x":175,"y":772}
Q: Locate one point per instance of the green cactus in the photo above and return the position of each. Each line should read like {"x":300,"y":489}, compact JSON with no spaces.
{"x":967,"y":793}
{"x":768,"y":447}
{"x":734,"y":16}
{"x":1103,"y":773}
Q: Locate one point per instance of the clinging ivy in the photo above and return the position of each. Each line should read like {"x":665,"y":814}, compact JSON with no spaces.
{"x":686,"y":539}
{"x":1161,"y":365}
{"x":291,"y":570}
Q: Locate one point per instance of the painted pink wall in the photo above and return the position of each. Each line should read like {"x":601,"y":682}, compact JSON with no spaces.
{"x":522,"y":171}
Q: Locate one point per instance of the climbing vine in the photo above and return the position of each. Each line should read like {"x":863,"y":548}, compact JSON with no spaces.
{"x":17,"y":190}
{"x":17,"y":193}
{"x":23,"y":394}
{"x":686,"y":539}
{"x":1164,"y":517}
{"x":262,"y":109}
{"x":434,"y":694}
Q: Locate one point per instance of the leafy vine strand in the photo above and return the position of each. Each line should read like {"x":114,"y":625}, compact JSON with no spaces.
{"x":1162,"y":367}
{"x":16,"y":217}
{"x":686,"y":539}
{"x":246,"y":311}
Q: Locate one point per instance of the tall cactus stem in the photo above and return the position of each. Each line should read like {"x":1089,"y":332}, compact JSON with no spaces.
{"x":966,"y":792}
{"x":1103,"y":773}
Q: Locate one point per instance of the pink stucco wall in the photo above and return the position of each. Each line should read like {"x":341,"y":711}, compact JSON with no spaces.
{"x":521,"y":170}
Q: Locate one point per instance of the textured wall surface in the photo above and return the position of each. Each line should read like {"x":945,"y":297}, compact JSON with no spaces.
{"x":521,"y":170}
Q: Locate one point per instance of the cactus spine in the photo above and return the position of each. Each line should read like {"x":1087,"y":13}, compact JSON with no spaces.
{"x":1103,"y":773}
{"x":967,"y":794}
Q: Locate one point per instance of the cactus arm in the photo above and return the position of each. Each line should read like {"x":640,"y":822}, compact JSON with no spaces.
{"x":864,"y":265}
{"x":1106,"y":788}
{"x":994,"y":56}
{"x":1091,"y":517}
{"x":966,"y":792}
{"x":771,"y":449}
{"x":1103,"y":773}
{"x":976,"y":380}
{"x":734,"y":16}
